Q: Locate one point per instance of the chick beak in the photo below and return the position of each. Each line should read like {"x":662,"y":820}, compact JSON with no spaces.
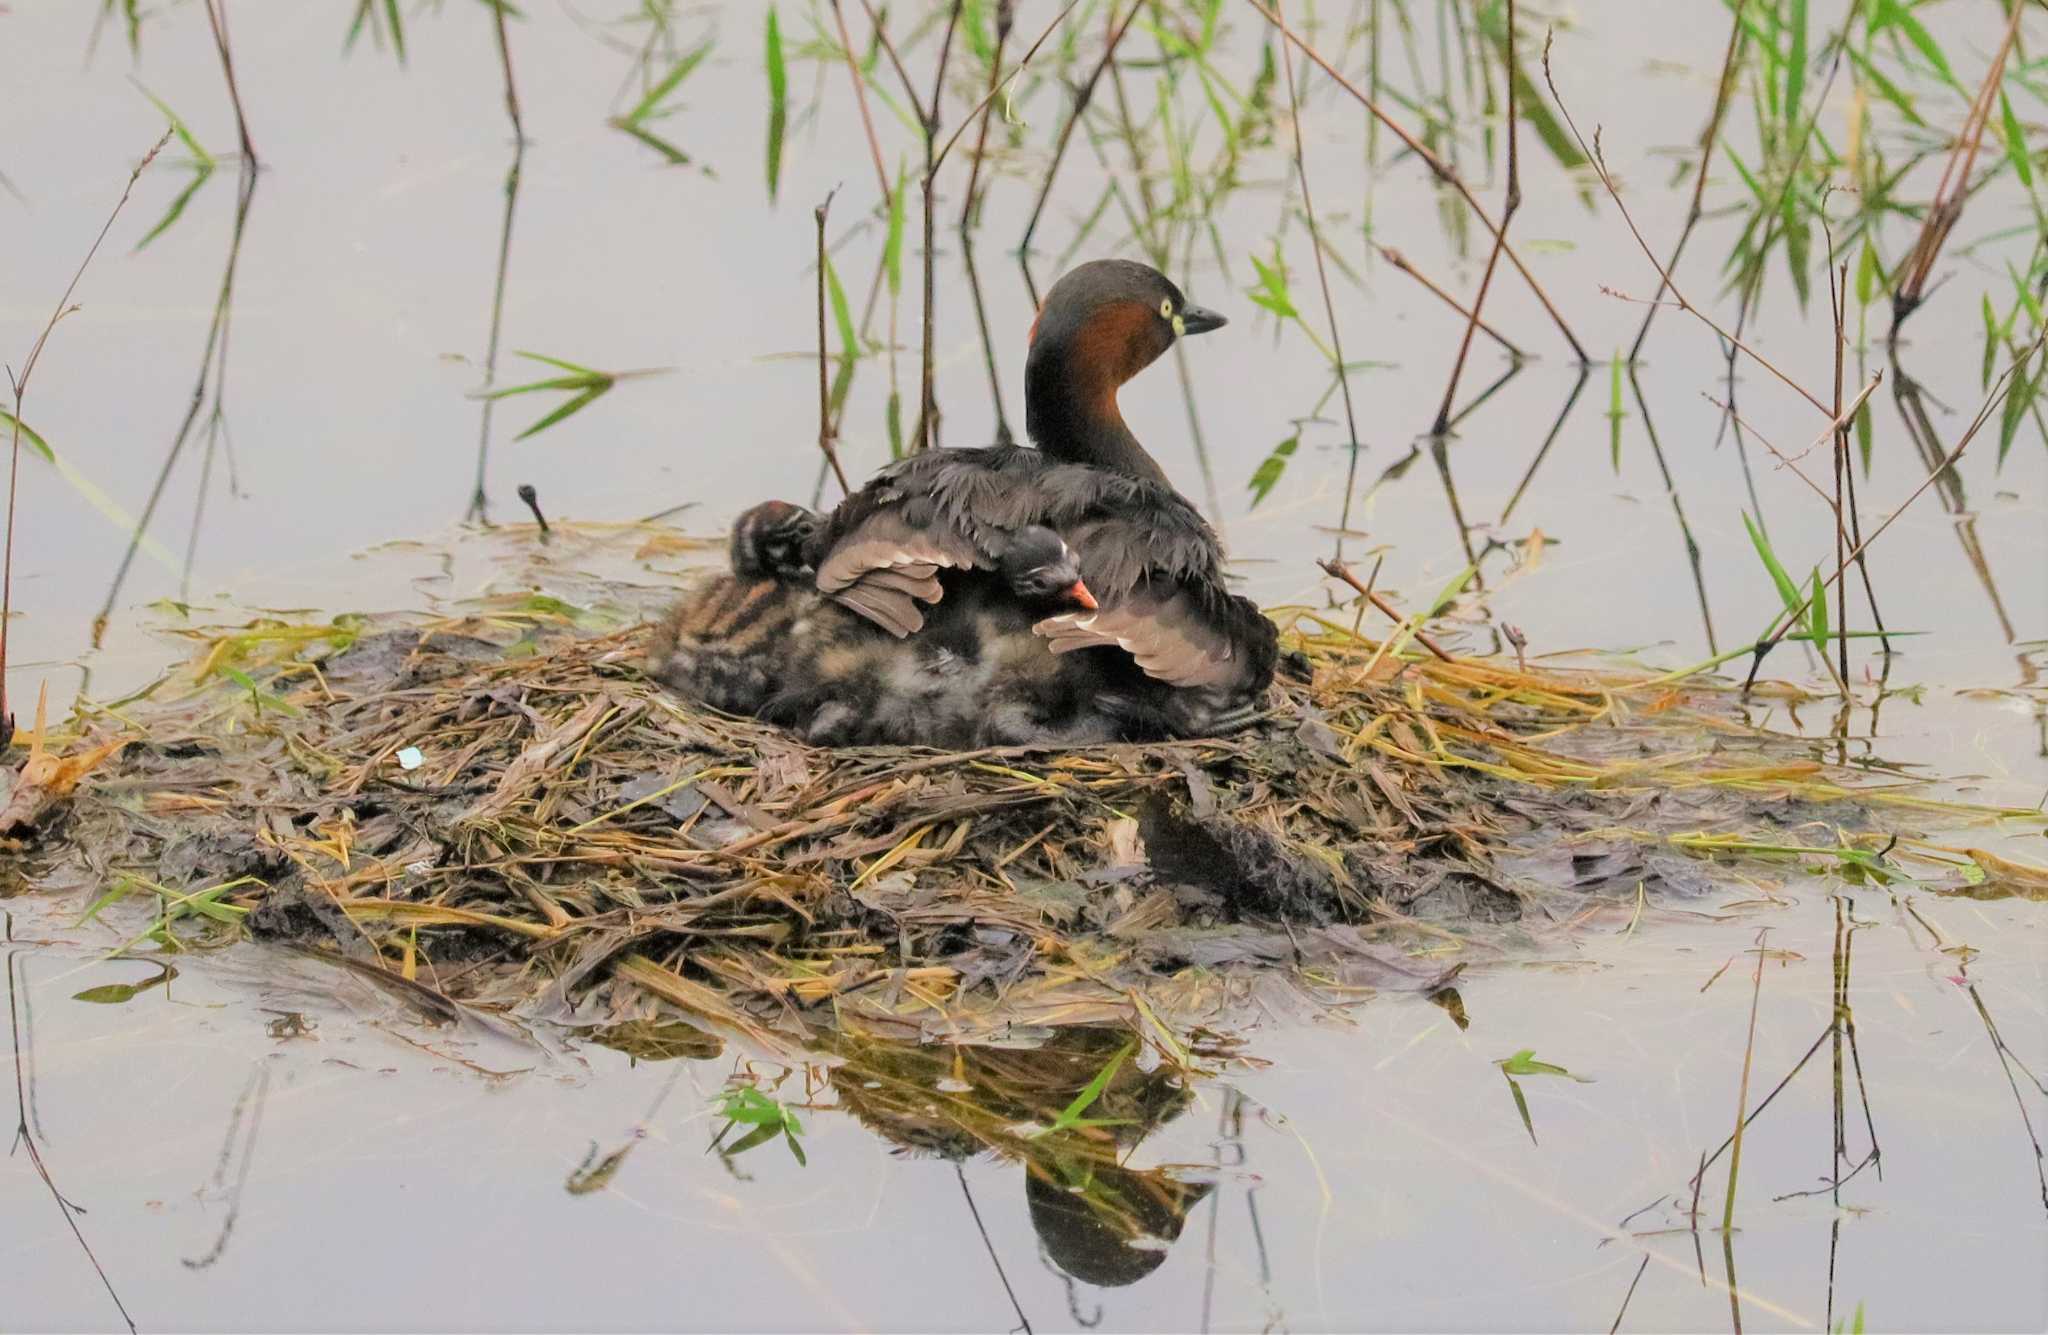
{"x":1200,"y":320}
{"x":1077,"y":592}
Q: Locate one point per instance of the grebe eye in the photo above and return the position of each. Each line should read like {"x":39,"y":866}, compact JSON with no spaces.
{"x":1166,"y":308}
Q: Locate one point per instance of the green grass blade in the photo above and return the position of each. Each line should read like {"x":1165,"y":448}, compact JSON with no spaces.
{"x":35,"y":442}
{"x":892,"y":248}
{"x":842,"y":314}
{"x":675,"y":155}
{"x":2015,"y":142}
{"x":575,"y":405}
{"x":2018,"y":399}
{"x":178,"y":126}
{"x":177,"y":208}
{"x":1071,"y":1114}
{"x":778,"y":103}
{"x":1267,"y":475}
{"x":1817,"y":610}
{"x":1788,"y":592}
{"x":557,"y":361}
{"x":668,"y":83}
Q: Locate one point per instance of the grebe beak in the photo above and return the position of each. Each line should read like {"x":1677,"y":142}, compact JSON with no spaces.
{"x":1199,"y":320}
{"x":1077,"y":592}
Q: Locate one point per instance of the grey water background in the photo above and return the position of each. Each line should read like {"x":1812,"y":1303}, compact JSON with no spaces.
{"x":1386,"y":1181}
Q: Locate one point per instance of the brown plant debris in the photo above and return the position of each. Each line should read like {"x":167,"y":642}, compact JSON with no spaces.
{"x":502,"y":813}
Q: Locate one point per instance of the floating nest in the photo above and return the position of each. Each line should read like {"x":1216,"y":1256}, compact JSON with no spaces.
{"x":502,"y":813}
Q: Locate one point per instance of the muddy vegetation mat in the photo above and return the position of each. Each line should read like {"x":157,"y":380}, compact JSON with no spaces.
{"x":502,"y":812}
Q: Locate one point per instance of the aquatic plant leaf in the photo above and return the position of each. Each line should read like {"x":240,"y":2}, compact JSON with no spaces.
{"x":1817,"y":610}
{"x":119,"y":891}
{"x":892,"y":248}
{"x":2015,"y":142}
{"x":1529,"y":100}
{"x":1869,"y":274}
{"x":1525,"y":1063}
{"x":1522,"y":1107}
{"x":261,"y":698}
{"x":369,"y":15}
{"x":35,"y":442}
{"x":1615,"y":412}
{"x":115,"y":994}
{"x":2019,"y":397}
{"x":1894,"y":14}
{"x":1795,"y":61}
{"x":651,"y":102}
{"x":973,"y":22}
{"x":178,"y":127}
{"x":108,"y":994}
{"x":1788,"y":592}
{"x":1267,"y":475}
{"x":842,"y":313}
{"x":1991,"y":340}
{"x":675,"y":155}
{"x":200,"y":175}
{"x":1271,"y":292}
{"x":1454,"y":587}
{"x":1071,"y":1115}
{"x":778,"y":102}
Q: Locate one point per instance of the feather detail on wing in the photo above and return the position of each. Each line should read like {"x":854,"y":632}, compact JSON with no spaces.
{"x":1166,"y":636}
{"x":886,"y":566}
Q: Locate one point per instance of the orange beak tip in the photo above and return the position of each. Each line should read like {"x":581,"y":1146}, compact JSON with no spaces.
{"x":1079,"y":593}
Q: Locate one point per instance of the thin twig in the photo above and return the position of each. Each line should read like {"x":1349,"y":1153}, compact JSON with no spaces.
{"x":1315,"y":237}
{"x":1742,"y":1089}
{"x":1005,"y":19}
{"x":22,"y":1135}
{"x":824,"y":392}
{"x":860,"y":95}
{"x":505,"y":59}
{"x":1401,"y":262}
{"x":1339,"y":570}
{"x":1509,"y":207}
{"x":1059,"y":152}
{"x":1792,"y":615}
{"x":1946,"y":208}
{"x":19,"y":385}
{"x":928,"y":402}
{"x":217,"y":18}
{"x":1730,"y":62}
{"x":1598,"y":159}
{"x":1444,"y":171}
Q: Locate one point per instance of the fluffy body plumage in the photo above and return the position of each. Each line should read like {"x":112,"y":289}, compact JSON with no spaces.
{"x":974,"y":676}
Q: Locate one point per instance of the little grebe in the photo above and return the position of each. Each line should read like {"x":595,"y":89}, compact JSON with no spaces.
{"x":1148,"y":555}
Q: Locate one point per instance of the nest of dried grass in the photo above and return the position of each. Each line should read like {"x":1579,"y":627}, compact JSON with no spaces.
{"x":504,"y":812}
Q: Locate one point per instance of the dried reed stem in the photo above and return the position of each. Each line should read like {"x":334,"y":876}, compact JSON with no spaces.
{"x":1509,"y":207}
{"x":1082,"y":95}
{"x":860,"y":95}
{"x":19,"y":385}
{"x":1730,"y":61}
{"x":217,"y":18}
{"x":1443,"y":171}
{"x":1339,"y":570}
{"x":1946,"y":208}
{"x":1599,"y":160}
{"x":1315,"y":237}
{"x":505,"y":60}
{"x":1402,"y":263}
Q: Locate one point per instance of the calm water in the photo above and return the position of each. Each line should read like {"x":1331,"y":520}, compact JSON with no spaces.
{"x":1359,"y":1170}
